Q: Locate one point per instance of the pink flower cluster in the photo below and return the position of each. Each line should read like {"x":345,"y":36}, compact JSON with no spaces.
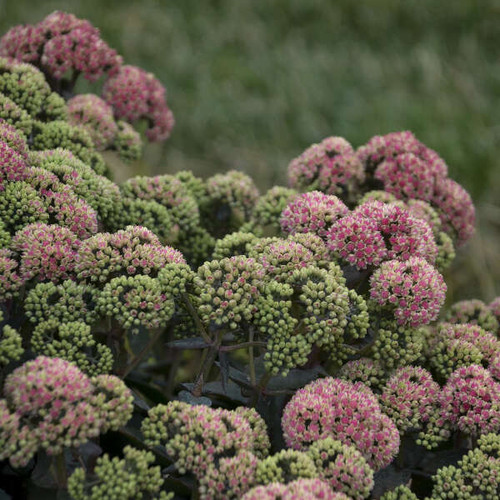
{"x":47,"y":252}
{"x":455,"y":208}
{"x":13,"y":138}
{"x":410,"y":397}
{"x":470,"y":401}
{"x":61,"y":43}
{"x":96,"y":116}
{"x":304,"y":170}
{"x":312,"y":212}
{"x":62,"y":204}
{"x":300,"y":489}
{"x":347,"y":412}
{"x":376,"y":231}
{"x":487,"y":344}
{"x":494,"y":307}
{"x":413,"y":290}
{"x":50,"y":404}
{"x":135,"y":94}
{"x":13,"y":166}
{"x":134,"y":250}
{"x":10,"y":280}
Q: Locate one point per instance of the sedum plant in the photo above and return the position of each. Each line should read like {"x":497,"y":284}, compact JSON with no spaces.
{"x":178,"y":337}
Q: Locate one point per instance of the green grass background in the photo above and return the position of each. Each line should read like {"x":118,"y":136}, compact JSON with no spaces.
{"x":252,"y":83}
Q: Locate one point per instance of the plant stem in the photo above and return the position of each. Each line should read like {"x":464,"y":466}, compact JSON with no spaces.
{"x":208,"y":358}
{"x":251,"y":359}
{"x":196,"y":318}
{"x":243,"y":345}
{"x":135,"y":361}
{"x":60,"y":472}
{"x":264,"y":380}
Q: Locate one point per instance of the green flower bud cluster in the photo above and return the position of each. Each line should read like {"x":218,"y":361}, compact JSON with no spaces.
{"x":286,"y":348}
{"x":489,"y":444}
{"x":402,"y":492}
{"x":231,"y":200}
{"x":358,"y":319}
{"x":343,"y":467}
{"x":260,"y":438}
{"x":27,"y":87}
{"x":238,"y":243}
{"x":60,"y":134}
{"x":435,"y":432}
{"x":20,"y":205}
{"x":286,"y":466}
{"x":169,"y":192}
{"x":194,"y":185}
{"x":199,"y":437}
{"x":11,"y":343}
{"x":397,"y":345}
{"x":136,"y":301}
{"x":476,"y":475}
{"x":147,"y":213}
{"x":446,"y":251}
{"x":128,"y":142}
{"x":196,"y":244}
{"x":66,"y":302}
{"x":129,"y":478}
{"x":227,"y":290}
{"x":15,"y":115}
{"x":73,"y":342}
{"x":267,"y":210}
{"x":366,"y":370}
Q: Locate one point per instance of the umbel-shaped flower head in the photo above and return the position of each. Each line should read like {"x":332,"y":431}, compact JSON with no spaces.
{"x":412,"y":290}
{"x":311,"y":489}
{"x":347,"y":412}
{"x":135,"y":94}
{"x":50,"y":404}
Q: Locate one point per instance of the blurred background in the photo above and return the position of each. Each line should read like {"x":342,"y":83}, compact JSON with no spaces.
{"x":253,"y":83}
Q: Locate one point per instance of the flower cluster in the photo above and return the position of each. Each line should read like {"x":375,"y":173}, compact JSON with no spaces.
{"x":134,"y":250}
{"x":474,"y":312}
{"x":61,"y":43}
{"x":285,"y":466}
{"x":342,"y":467}
{"x":312,"y":212}
{"x":301,"y":488}
{"x":409,"y":397}
{"x":227,"y":290}
{"x":50,"y":404}
{"x":368,"y":371}
{"x":11,"y":348}
{"x":135,"y":94}
{"x":13,"y":138}
{"x":413,"y":290}
{"x":47,"y":252}
{"x":470,"y":401}
{"x":12,"y":164}
{"x":128,"y":478}
{"x":343,"y":411}
{"x":72,"y":341}
{"x":219,"y":447}
{"x":11,"y":279}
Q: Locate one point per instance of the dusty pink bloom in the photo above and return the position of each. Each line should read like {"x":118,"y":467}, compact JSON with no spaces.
{"x":13,"y":166}
{"x":300,"y":489}
{"x":304,"y":170}
{"x":135,"y":94}
{"x":456,"y":209}
{"x":13,"y":138}
{"x":48,"y":252}
{"x":406,"y":176}
{"x":134,"y":250}
{"x":96,"y":116}
{"x":494,"y":306}
{"x":409,"y":397}
{"x":470,"y":401}
{"x":10,"y":279}
{"x":494,"y":366}
{"x":347,"y":412}
{"x":357,"y":240}
{"x":413,"y":290}
{"x":312,"y":212}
